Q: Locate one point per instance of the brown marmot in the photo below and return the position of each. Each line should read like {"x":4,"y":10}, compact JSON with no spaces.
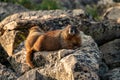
{"x":67,"y":38}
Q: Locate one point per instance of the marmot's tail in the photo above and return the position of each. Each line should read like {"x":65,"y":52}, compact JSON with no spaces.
{"x":28,"y":58}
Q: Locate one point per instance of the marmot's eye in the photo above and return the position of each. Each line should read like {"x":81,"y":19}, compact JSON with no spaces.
{"x":71,"y":31}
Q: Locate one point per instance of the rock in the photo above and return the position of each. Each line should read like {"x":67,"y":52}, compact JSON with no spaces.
{"x":71,"y":67}
{"x":103,"y":69}
{"x":102,"y":32}
{"x":9,"y":8}
{"x":82,"y":63}
{"x":20,"y":20}
{"x":32,"y":75}
{"x":10,"y":40}
{"x":112,"y":13}
{"x":110,"y":53}
{"x":113,"y":74}
{"x":96,"y":8}
{"x":18,"y":62}
{"x":7,"y":74}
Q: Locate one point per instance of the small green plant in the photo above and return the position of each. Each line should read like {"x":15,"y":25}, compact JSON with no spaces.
{"x":92,"y":10}
{"x":44,"y":5}
{"x":25,"y":3}
{"x":48,"y":5}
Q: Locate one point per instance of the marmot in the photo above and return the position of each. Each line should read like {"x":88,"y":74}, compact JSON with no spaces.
{"x":67,"y":38}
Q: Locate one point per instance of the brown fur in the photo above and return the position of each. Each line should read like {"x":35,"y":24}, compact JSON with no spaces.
{"x":34,"y":33}
{"x":68,"y":38}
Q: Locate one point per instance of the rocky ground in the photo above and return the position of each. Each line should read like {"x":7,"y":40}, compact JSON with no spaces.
{"x":98,"y":57}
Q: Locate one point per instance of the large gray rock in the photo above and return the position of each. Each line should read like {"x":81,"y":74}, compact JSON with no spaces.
{"x":82,"y":63}
{"x":9,"y":8}
{"x":111,"y":53}
{"x":112,"y":13}
{"x":8,"y":40}
{"x":113,"y":74}
{"x":18,"y":62}
{"x":33,"y":75}
{"x":102,"y":32}
{"x":7,"y":74}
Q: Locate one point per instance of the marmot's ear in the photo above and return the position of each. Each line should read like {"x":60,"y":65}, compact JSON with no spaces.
{"x":68,"y":26}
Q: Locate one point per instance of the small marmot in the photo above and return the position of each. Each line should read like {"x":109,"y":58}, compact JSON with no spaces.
{"x":67,"y":38}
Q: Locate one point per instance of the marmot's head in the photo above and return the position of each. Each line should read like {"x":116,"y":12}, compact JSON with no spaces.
{"x":72,"y":30}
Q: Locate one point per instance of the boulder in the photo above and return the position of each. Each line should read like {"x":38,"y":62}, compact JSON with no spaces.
{"x":113,"y":74}
{"x":8,"y":40}
{"x":111,"y":53}
{"x":102,"y":32}
{"x":103,"y":70}
{"x":9,"y":8}
{"x":33,"y":75}
{"x":81,"y":63}
{"x":112,"y":13}
{"x":6,"y":73}
{"x":18,"y":62}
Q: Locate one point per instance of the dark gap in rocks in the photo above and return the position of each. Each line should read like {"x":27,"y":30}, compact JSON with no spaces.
{"x":3,"y":58}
